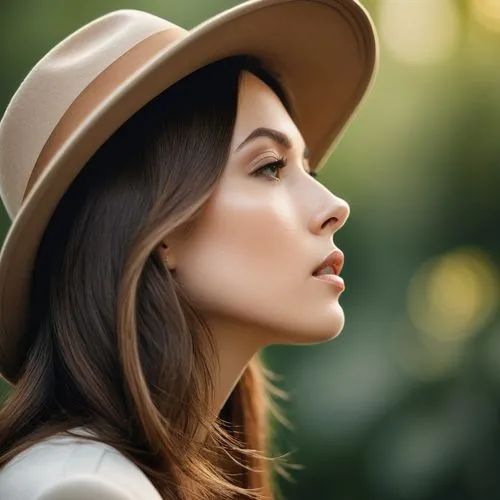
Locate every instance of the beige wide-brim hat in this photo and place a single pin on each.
(82, 91)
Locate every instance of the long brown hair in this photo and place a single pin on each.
(116, 346)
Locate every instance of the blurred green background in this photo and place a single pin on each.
(405, 404)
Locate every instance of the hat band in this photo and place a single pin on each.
(104, 85)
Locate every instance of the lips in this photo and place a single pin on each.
(332, 264)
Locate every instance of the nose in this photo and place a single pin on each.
(331, 215)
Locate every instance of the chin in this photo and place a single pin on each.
(326, 325)
(321, 329)
(328, 332)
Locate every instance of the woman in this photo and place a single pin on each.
(166, 227)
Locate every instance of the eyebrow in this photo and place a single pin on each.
(277, 136)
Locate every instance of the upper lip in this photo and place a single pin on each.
(334, 259)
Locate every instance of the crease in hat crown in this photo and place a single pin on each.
(58, 79)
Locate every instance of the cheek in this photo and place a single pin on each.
(249, 259)
(242, 254)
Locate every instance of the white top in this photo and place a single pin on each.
(68, 468)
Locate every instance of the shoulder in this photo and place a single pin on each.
(68, 468)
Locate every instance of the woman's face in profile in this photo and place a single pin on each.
(247, 262)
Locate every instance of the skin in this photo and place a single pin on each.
(247, 262)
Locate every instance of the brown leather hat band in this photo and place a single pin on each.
(97, 91)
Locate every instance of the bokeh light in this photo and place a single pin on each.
(487, 12)
(453, 296)
(419, 31)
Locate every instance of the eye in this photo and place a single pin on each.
(272, 167)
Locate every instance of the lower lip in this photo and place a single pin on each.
(332, 279)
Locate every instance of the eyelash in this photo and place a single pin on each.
(276, 165)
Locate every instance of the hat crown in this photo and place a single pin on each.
(53, 85)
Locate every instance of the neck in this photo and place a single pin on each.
(235, 347)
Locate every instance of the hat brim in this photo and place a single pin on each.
(325, 52)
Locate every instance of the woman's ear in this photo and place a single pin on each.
(167, 256)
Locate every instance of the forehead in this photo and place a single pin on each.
(259, 106)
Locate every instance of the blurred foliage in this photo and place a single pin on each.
(405, 404)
